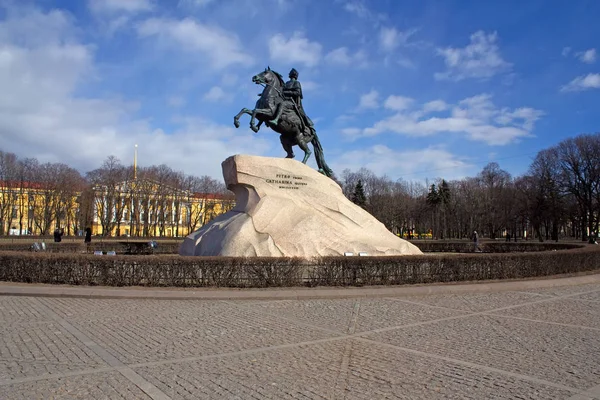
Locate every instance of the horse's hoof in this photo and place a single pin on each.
(236, 123)
(254, 128)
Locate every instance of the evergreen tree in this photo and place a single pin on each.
(358, 196)
(433, 197)
(433, 200)
(444, 200)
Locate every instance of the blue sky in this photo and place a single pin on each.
(413, 90)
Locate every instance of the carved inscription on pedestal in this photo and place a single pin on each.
(284, 181)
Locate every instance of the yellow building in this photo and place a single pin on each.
(29, 208)
(139, 208)
(150, 209)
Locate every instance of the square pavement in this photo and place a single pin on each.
(534, 343)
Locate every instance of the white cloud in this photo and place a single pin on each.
(295, 50)
(345, 118)
(218, 95)
(114, 15)
(351, 132)
(112, 6)
(435, 106)
(176, 101)
(566, 51)
(589, 81)
(588, 56)
(523, 116)
(116, 23)
(480, 59)
(406, 63)
(408, 164)
(397, 103)
(36, 29)
(478, 107)
(388, 38)
(369, 100)
(194, 3)
(221, 47)
(359, 8)
(342, 56)
(339, 56)
(229, 79)
(44, 115)
(476, 117)
(391, 38)
(214, 142)
(309, 86)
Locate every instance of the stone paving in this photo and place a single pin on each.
(513, 344)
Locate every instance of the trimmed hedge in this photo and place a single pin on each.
(491, 247)
(173, 270)
(70, 247)
(172, 247)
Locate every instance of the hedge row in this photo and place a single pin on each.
(171, 270)
(172, 247)
(70, 247)
(491, 247)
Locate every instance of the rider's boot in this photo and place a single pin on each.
(278, 112)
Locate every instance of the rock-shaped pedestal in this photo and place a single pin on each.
(286, 208)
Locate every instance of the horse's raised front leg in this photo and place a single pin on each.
(262, 111)
(236, 119)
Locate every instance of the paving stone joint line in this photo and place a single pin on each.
(155, 393)
(111, 360)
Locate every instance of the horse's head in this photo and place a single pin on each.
(268, 77)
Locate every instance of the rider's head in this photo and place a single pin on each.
(294, 73)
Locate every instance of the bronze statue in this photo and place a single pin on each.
(293, 91)
(280, 108)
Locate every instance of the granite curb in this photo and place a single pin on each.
(43, 290)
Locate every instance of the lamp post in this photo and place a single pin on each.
(131, 190)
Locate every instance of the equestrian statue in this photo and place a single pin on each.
(280, 108)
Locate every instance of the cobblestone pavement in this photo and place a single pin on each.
(533, 344)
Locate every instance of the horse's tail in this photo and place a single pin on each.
(320, 156)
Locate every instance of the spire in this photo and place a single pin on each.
(135, 162)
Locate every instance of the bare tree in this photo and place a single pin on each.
(108, 185)
(495, 182)
(544, 199)
(26, 179)
(580, 172)
(8, 190)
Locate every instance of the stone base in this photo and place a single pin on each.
(287, 209)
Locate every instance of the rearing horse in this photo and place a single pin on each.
(292, 129)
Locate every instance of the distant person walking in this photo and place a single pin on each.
(475, 238)
(88, 235)
(58, 235)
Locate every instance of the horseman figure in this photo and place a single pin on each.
(292, 91)
(280, 108)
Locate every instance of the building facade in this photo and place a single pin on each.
(138, 208)
(144, 208)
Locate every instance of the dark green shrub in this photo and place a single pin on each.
(174, 270)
